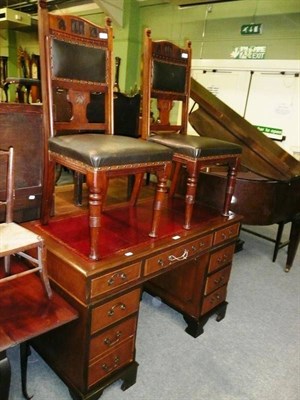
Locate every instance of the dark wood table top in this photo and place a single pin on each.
(25, 309)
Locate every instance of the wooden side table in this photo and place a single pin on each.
(26, 312)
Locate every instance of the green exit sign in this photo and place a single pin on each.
(251, 29)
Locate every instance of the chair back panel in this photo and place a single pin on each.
(168, 77)
(76, 64)
(165, 80)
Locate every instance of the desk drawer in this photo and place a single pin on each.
(115, 310)
(217, 280)
(220, 258)
(227, 233)
(112, 338)
(115, 279)
(176, 254)
(116, 359)
(214, 299)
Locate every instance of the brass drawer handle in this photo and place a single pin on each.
(113, 366)
(160, 262)
(217, 281)
(216, 297)
(224, 236)
(222, 259)
(184, 256)
(122, 276)
(111, 312)
(113, 341)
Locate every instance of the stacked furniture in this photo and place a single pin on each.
(101, 262)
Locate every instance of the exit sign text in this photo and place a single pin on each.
(251, 29)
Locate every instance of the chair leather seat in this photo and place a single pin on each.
(100, 150)
(195, 146)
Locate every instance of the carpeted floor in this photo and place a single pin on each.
(253, 354)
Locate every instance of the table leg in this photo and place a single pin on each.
(293, 242)
(5, 374)
(24, 354)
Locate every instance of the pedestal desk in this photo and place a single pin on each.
(189, 270)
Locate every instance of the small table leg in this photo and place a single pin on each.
(5, 375)
(293, 242)
(24, 354)
(278, 240)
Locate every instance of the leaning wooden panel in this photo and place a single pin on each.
(21, 124)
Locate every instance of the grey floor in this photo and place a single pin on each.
(253, 354)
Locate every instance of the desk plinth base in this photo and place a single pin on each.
(195, 326)
(127, 374)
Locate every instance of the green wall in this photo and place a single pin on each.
(213, 30)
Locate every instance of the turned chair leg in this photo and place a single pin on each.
(43, 268)
(231, 181)
(78, 182)
(97, 184)
(48, 192)
(161, 191)
(7, 265)
(190, 194)
(138, 181)
(175, 178)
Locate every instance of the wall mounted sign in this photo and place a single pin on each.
(251, 29)
(272, 133)
(249, 53)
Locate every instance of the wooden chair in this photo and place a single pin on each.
(76, 62)
(126, 123)
(166, 81)
(15, 239)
